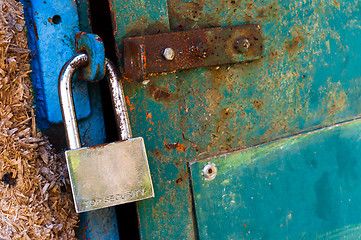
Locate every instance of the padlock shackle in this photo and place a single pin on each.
(67, 101)
(66, 98)
(118, 99)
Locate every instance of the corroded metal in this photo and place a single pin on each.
(308, 78)
(109, 174)
(93, 46)
(145, 55)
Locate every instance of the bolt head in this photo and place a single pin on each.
(209, 171)
(169, 54)
(242, 45)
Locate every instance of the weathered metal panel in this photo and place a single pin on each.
(137, 17)
(168, 214)
(154, 115)
(304, 187)
(308, 78)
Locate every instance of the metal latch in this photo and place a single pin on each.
(167, 52)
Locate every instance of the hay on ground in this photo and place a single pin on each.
(35, 200)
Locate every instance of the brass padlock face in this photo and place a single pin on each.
(109, 174)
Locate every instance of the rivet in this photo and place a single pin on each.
(169, 54)
(209, 171)
(242, 45)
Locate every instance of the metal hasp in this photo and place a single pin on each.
(168, 52)
(93, 46)
(109, 174)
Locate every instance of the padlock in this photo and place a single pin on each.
(108, 174)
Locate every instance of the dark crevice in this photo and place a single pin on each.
(102, 25)
(9, 179)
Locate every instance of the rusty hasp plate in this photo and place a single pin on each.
(167, 52)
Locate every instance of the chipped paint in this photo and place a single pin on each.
(308, 78)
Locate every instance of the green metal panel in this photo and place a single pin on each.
(168, 215)
(304, 187)
(308, 78)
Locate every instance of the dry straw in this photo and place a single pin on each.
(35, 202)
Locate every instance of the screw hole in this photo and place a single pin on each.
(210, 171)
(56, 19)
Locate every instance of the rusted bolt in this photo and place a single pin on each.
(242, 45)
(202, 50)
(169, 54)
(209, 171)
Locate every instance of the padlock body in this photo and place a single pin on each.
(109, 174)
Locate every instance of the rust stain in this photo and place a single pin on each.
(226, 112)
(158, 93)
(142, 26)
(257, 104)
(50, 20)
(298, 41)
(149, 118)
(113, 19)
(336, 103)
(177, 146)
(157, 153)
(131, 107)
(271, 10)
(179, 180)
(35, 30)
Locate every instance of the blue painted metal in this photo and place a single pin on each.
(93, 46)
(304, 187)
(54, 24)
(48, 57)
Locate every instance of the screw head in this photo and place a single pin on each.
(209, 171)
(242, 45)
(169, 54)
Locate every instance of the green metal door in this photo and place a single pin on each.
(245, 118)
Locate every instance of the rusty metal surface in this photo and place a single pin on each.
(167, 215)
(190, 49)
(308, 78)
(93, 46)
